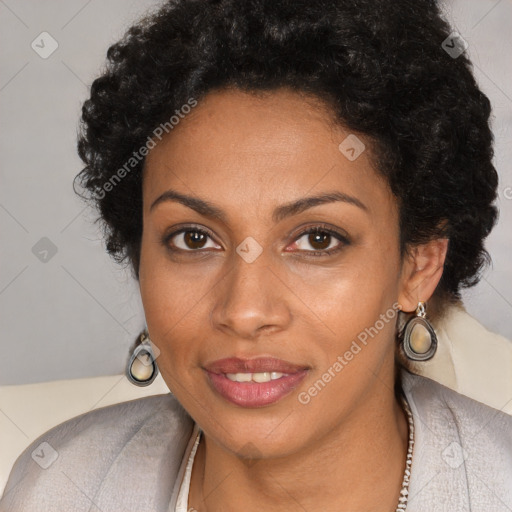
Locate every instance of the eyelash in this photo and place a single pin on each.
(321, 228)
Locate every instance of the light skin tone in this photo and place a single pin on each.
(247, 156)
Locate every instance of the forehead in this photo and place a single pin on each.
(250, 152)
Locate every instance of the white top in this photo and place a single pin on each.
(188, 459)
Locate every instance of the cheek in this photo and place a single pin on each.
(355, 302)
(165, 292)
(164, 298)
(356, 311)
(358, 289)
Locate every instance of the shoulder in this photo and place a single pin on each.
(435, 401)
(462, 452)
(107, 454)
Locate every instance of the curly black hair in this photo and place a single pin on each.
(381, 66)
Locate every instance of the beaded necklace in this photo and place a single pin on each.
(404, 493)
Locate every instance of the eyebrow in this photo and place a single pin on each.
(282, 212)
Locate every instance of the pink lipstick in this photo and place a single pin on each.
(254, 382)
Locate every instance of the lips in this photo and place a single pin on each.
(286, 376)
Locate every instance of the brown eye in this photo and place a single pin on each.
(320, 241)
(188, 240)
(194, 239)
(323, 241)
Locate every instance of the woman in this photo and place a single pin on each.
(290, 183)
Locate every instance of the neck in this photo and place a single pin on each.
(358, 466)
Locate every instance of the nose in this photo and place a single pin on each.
(250, 300)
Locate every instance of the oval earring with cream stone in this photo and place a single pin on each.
(142, 368)
(419, 340)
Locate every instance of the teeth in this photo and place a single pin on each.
(261, 377)
(254, 377)
(240, 377)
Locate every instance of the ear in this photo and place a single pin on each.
(421, 272)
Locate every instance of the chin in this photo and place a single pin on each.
(266, 432)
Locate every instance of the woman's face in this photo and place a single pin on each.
(251, 286)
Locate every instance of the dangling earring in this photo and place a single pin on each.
(142, 369)
(418, 338)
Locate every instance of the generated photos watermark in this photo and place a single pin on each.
(343, 360)
(138, 156)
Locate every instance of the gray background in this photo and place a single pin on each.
(75, 313)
